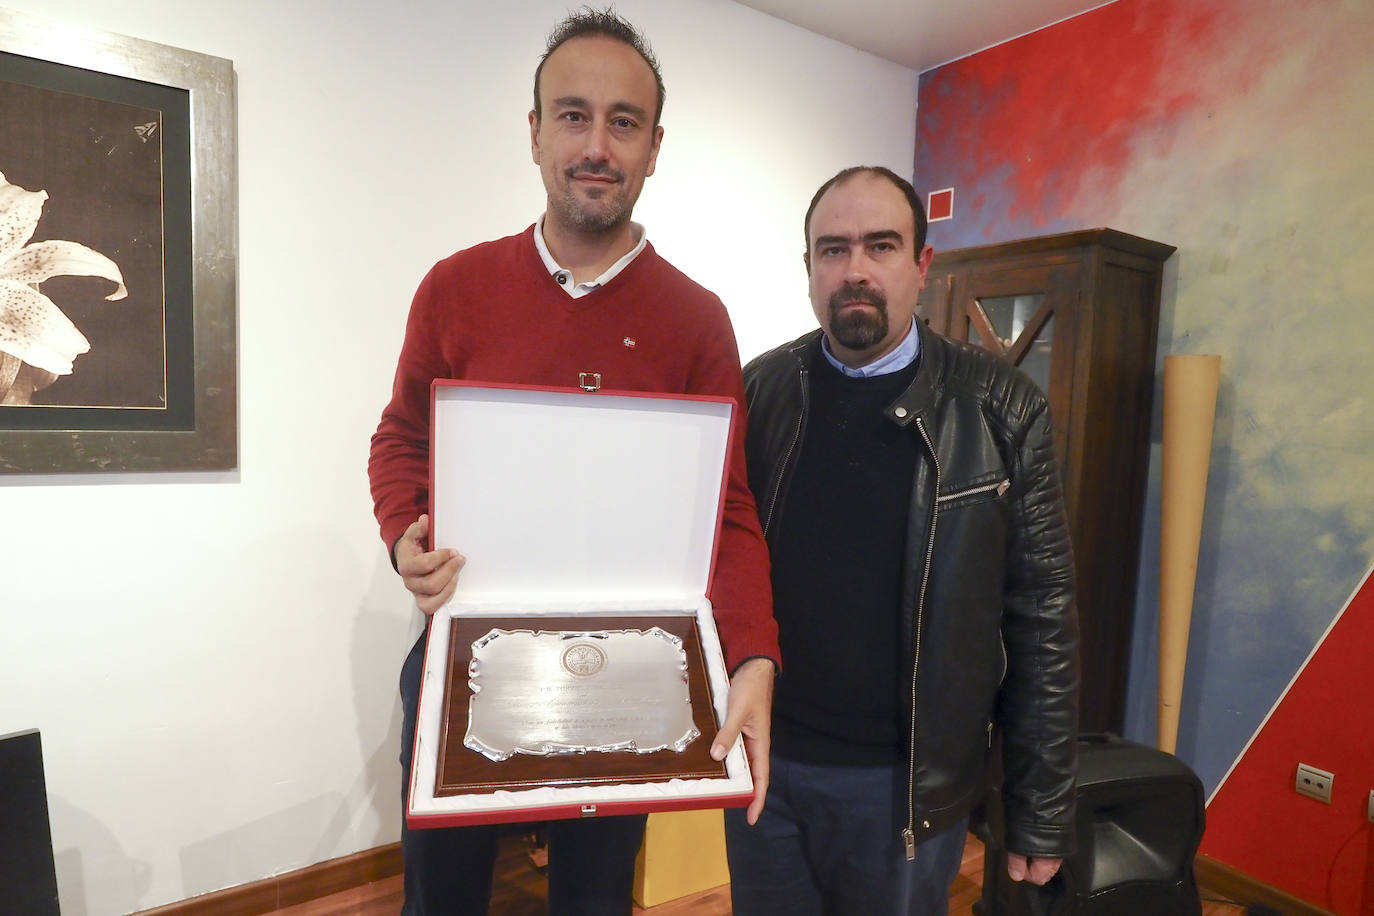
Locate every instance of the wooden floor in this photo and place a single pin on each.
(520, 891)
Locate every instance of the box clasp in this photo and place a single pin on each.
(589, 810)
(590, 381)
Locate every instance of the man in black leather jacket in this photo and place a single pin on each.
(923, 587)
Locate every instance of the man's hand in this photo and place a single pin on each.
(1035, 870)
(749, 711)
(431, 575)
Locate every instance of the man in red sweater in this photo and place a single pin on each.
(580, 291)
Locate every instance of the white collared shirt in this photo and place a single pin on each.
(564, 277)
(901, 356)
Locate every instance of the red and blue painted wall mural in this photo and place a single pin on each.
(1241, 131)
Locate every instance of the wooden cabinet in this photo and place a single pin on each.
(1079, 313)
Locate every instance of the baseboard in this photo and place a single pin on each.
(335, 875)
(1218, 878)
(291, 888)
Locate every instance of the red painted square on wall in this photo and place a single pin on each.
(940, 205)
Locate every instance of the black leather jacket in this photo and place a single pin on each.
(987, 591)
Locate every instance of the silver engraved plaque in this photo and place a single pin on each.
(576, 692)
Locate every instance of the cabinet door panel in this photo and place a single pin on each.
(936, 302)
(1026, 316)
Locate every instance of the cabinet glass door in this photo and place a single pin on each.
(1025, 315)
(1020, 329)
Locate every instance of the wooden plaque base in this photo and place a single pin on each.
(462, 771)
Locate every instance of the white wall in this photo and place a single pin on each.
(212, 658)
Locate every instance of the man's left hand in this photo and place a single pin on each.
(1036, 870)
(748, 711)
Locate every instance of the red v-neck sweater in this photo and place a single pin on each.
(492, 313)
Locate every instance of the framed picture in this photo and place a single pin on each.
(118, 253)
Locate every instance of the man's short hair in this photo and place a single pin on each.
(607, 22)
(918, 211)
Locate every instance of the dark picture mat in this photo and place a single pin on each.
(463, 771)
(123, 192)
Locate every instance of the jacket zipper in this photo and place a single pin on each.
(787, 456)
(1002, 486)
(909, 834)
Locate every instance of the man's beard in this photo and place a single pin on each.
(612, 210)
(858, 329)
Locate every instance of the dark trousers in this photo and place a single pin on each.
(829, 842)
(448, 871)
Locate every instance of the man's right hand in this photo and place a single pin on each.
(430, 575)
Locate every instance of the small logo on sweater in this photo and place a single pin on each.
(629, 343)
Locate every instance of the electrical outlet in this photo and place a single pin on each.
(1314, 783)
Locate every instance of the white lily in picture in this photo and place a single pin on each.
(33, 329)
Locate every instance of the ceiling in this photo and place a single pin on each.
(922, 34)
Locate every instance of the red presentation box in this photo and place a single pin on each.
(576, 510)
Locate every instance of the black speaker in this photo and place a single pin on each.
(28, 878)
(1140, 820)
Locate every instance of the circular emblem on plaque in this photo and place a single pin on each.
(582, 659)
